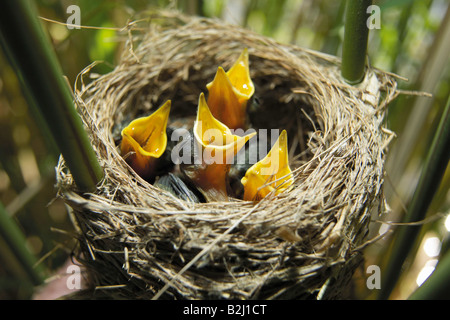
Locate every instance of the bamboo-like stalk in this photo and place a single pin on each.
(432, 174)
(31, 55)
(419, 107)
(437, 286)
(356, 35)
(15, 239)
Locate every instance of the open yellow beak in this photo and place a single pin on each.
(146, 139)
(269, 174)
(229, 93)
(218, 147)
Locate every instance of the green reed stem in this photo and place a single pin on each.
(29, 50)
(15, 240)
(356, 35)
(432, 174)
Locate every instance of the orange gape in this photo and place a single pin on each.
(229, 93)
(144, 140)
(271, 174)
(217, 146)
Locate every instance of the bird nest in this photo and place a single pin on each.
(138, 241)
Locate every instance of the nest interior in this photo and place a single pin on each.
(140, 242)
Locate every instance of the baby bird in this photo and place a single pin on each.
(271, 174)
(215, 147)
(229, 93)
(144, 141)
(176, 186)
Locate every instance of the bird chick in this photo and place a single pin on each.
(271, 174)
(216, 147)
(144, 141)
(176, 186)
(230, 91)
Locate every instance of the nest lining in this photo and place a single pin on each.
(145, 243)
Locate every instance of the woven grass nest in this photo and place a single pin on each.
(137, 241)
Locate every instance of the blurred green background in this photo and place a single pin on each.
(413, 41)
